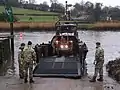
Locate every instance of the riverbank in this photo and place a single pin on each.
(50, 26)
(113, 69)
(100, 26)
(23, 26)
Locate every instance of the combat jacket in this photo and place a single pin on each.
(99, 55)
(29, 54)
(20, 57)
(54, 43)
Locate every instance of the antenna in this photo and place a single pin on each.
(82, 5)
(66, 8)
(67, 12)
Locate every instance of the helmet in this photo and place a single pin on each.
(97, 43)
(29, 43)
(22, 44)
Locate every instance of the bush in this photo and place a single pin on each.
(2, 17)
(16, 19)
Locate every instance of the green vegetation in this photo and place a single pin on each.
(2, 17)
(25, 17)
(1, 9)
(25, 11)
(38, 18)
(86, 26)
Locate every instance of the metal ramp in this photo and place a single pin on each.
(58, 66)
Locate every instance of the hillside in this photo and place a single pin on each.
(25, 17)
(26, 11)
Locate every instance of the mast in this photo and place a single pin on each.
(82, 2)
(67, 12)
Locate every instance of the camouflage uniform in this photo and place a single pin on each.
(21, 66)
(81, 51)
(29, 56)
(38, 52)
(55, 46)
(44, 50)
(20, 61)
(99, 61)
(85, 50)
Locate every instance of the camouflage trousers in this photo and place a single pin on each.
(28, 66)
(21, 70)
(56, 51)
(98, 69)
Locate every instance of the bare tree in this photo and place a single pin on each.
(53, 1)
(45, 3)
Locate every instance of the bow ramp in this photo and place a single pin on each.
(58, 66)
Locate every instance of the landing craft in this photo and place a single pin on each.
(63, 55)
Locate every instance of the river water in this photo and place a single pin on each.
(109, 40)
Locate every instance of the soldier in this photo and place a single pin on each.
(99, 61)
(81, 50)
(20, 61)
(85, 51)
(38, 52)
(82, 54)
(44, 50)
(55, 45)
(29, 56)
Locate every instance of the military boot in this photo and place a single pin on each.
(31, 81)
(100, 79)
(93, 79)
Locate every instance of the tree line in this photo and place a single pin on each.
(54, 7)
(94, 11)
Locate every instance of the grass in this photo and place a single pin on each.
(25, 11)
(27, 25)
(25, 18)
(37, 18)
(88, 26)
(101, 25)
(28, 11)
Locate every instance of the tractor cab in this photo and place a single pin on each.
(67, 28)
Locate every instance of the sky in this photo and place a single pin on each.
(105, 2)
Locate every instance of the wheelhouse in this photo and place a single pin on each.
(66, 28)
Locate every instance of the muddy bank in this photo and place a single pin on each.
(101, 26)
(50, 26)
(113, 69)
(18, 26)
